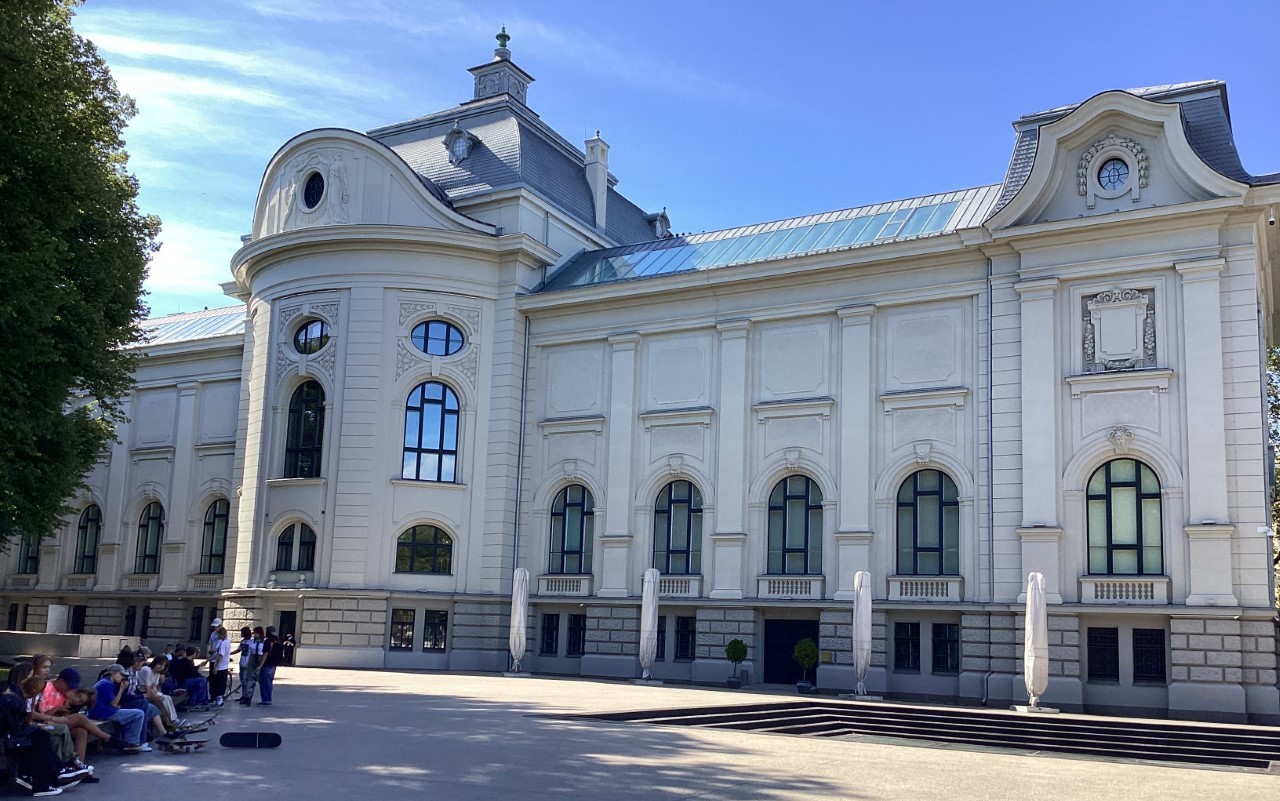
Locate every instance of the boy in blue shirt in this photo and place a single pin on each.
(110, 691)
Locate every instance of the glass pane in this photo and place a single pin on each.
(905, 492)
(812, 234)
(573, 529)
(1098, 482)
(451, 432)
(429, 467)
(836, 232)
(894, 225)
(411, 429)
(796, 485)
(951, 562)
(795, 563)
(928, 480)
(1124, 515)
(1098, 560)
(431, 427)
(854, 233)
(1150, 484)
(815, 494)
(1098, 524)
(918, 219)
(949, 492)
(795, 523)
(873, 228)
(1124, 562)
(1151, 522)
(775, 497)
(1151, 560)
(951, 527)
(775, 560)
(574, 493)
(696, 534)
(1123, 470)
(680, 527)
(572, 563)
(927, 506)
(448, 468)
(906, 517)
(660, 530)
(679, 563)
(776, 528)
(928, 562)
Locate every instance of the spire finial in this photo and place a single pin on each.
(503, 37)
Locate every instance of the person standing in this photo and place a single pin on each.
(219, 665)
(288, 644)
(272, 656)
(250, 661)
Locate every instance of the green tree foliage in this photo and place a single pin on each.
(73, 253)
(1273, 427)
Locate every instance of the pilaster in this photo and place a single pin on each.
(856, 392)
(1040, 379)
(729, 540)
(1202, 349)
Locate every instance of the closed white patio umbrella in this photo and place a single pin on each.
(861, 628)
(1035, 654)
(519, 616)
(649, 622)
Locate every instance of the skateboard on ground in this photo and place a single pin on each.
(250, 739)
(181, 745)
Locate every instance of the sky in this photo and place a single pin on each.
(725, 113)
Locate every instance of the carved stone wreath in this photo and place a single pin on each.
(1083, 172)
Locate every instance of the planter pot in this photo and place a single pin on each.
(805, 687)
(734, 682)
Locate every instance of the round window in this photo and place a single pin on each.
(311, 336)
(1113, 174)
(437, 338)
(314, 190)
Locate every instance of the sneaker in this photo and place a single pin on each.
(218, 703)
(144, 748)
(71, 773)
(50, 791)
(79, 764)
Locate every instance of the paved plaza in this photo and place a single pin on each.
(386, 735)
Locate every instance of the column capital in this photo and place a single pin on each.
(1199, 269)
(856, 315)
(1037, 289)
(624, 340)
(733, 329)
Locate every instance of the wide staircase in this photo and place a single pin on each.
(1256, 747)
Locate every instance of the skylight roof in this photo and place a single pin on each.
(836, 230)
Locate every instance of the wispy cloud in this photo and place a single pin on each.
(192, 261)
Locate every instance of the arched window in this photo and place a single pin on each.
(29, 556)
(795, 527)
(305, 537)
(306, 432)
(1124, 520)
(213, 551)
(572, 529)
(150, 532)
(424, 549)
(928, 525)
(677, 529)
(87, 536)
(431, 433)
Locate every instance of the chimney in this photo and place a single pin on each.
(597, 168)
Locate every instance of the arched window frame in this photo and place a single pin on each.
(795, 545)
(29, 556)
(88, 535)
(1106, 495)
(304, 443)
(424, 549)
(677, 529)
(213, 546)
(432, 416)
(304, 537)
(928, 525)
(150, 535)
(572, 531)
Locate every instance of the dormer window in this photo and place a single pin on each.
(458, 142)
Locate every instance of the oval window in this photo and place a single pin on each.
(311, 336)
(314, 190)
(437, 338)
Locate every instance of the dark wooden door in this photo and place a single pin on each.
(780, 638)
(288, 626)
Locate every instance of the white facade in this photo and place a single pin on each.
(1065, 326)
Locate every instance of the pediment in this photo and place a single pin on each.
(338, 177)
(1114, 153)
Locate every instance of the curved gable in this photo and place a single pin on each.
(1146, 138)
(364, 183)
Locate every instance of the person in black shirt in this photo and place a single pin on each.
(187, 677)
(272, 656)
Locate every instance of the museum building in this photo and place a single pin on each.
(461, 350)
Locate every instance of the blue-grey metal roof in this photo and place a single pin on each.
(191, 326)
(1206, 118)
(864, 226)
(513, 148)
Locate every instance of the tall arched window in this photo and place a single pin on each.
(213, 550)
(29, 556)
(424, 549)
(928, 525)
(87, 535)
(1124, 520)
(572, 529)
(150, 532)
(795, 527)
(305, 538)
(431, 433)
(677, 529)
(306, 432)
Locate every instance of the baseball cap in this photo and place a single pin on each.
(217, 621)
(116, 669)
(71, 677)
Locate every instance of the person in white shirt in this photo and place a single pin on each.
(219, 665)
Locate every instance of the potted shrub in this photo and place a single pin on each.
(806, 656)
(735, 652)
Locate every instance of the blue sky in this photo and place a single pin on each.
(726, 113)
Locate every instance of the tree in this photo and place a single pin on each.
(73, 254)
(1273, 428)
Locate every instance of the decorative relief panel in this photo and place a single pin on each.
(573, 381)
(406, 358)
(924, 349)
(326, 359)
(1119, 330)
(1125, 149)
(794, 361)
(678, 373)
(1138, 408)
(686, 439)
(333, 204)
(469, 315)
(328, 311)
(288, 314)
(411, 308)
(470, 363)
(284, 362)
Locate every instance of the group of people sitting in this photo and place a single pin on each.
(47, 721)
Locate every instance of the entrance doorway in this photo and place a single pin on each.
(780, 638)
(288, 628)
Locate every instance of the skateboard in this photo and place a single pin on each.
(183, 746)
(250, 739)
